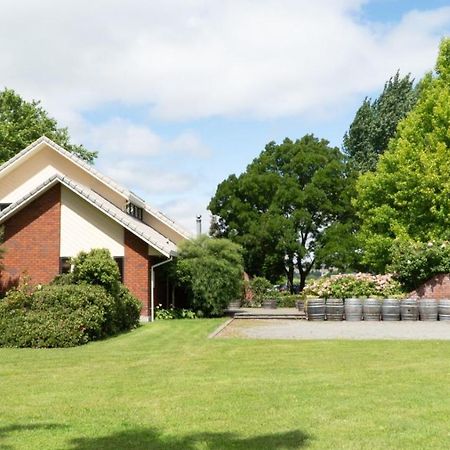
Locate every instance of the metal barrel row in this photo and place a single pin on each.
(372, 309)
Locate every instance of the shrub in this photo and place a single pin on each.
(288, 300)
(96, 267)
(354, 285)
(63, 279)
(415, 262)
(173, 313)
(260, 288)
(76, 308)
(129, 309)
(212, 270)
(55, 316)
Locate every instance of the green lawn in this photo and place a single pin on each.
(166, 386)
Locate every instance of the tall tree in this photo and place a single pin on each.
(23, 122)
(285, 206)
(375, 123)
(408, 196)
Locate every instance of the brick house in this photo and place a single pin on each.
(54, 205)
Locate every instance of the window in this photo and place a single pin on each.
(65, 265)
(134, 210)
(119, 262)
(4, 206)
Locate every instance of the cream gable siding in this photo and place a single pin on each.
(84, 227)
(43, 161)
(40, 166)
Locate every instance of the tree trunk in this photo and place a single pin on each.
(304, 272)
(290, 277)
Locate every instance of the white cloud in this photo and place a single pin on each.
(147, 178)
(120, 136)
(191, 59)
(188, 143)
(197, 58)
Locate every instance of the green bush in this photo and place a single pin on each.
(55, 316)
(173, 313)
(96, 267)
(261, 288)
(75, 308)
(415, 262)
(63, 279)
(212, 271)
(289, 300)
(129, 309)
(354, 285)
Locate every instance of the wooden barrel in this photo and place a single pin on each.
(353, 309)
(444, 309)
(334, 309)
(390, 309)
(300, 305)
(409, 309)
(428, 309)
(315, 309)
(371, 309)
(269, 303)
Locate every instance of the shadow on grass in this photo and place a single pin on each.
(151, 439)
(5, 431)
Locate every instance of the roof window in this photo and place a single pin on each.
(134, 211)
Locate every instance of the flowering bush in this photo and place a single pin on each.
(354, 285)
(415, 262)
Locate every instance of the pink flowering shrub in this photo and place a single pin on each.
(354, 285)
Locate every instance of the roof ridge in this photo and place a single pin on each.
(107, 180)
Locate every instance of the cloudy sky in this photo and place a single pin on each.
(178, 94)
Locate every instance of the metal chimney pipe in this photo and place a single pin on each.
(199, 225)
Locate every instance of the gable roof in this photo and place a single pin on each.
(126, 193)
(135, 226)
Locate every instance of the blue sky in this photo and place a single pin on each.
(178, 94)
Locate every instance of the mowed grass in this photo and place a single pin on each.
(166, 386)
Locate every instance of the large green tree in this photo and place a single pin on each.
(408, 196)
(375, 122)
(23, 122)
(289, 209)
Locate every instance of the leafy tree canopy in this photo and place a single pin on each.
(23, 122)
(289, 209)
(375, 123)
(212, 270)
(408, 196)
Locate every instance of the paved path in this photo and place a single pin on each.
(302, 329)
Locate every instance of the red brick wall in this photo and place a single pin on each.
(437, 287)
(32, 240)
(136, 270)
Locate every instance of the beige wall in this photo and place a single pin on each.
(84, 227)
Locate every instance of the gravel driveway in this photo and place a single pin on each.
(302, 329)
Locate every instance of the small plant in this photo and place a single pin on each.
(173, 313)
(261, 289)
(289, 300)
